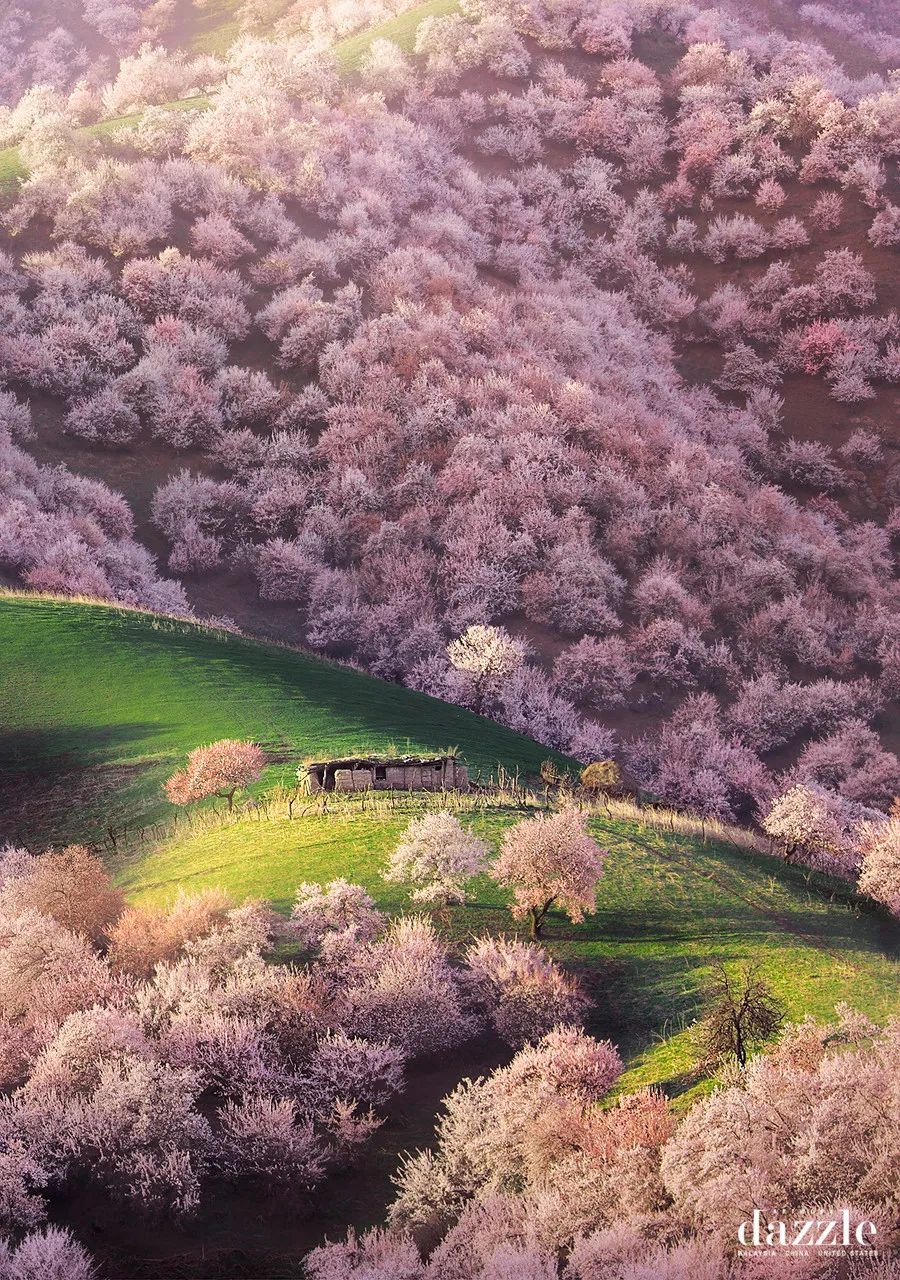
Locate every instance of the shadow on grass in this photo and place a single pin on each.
(70, 746)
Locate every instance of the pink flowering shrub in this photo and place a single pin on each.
(336, 908)
(49, 1254)
(522, 991)
(402, 989)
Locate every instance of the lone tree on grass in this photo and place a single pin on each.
(486, 655)
(222, 769)
(743, 1012)
(550, 861)
(436, 857)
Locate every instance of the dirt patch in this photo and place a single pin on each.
(247, 1233)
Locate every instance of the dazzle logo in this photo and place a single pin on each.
(809, 1233)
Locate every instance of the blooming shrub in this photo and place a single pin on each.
(521, 990)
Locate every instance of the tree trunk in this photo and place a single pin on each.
(537, 916)
(478, 691)
(740, 1051)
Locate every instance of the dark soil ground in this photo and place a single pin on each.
(246, 1232)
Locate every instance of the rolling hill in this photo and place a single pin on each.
(100, 704)
(670, 907)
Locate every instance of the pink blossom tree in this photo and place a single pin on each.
(512, 1122)
(143, 937)
(71, 886)
(46, 972)
(827, 211)
(812, 822)
(884, 232)
(221, 769)
(376, 1255)
(550, 861)
(770, 195)
(829, 1159)
(140, 1134)
(265, 1139)
(401, 988)
(598, 671)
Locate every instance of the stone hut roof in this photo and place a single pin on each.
(362, 762)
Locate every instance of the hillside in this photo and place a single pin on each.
(510, 378)
(599, 347)
(100, 704)
(213, 30)
(669, 907)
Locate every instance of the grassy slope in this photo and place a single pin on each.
(668, 909)
(217, 29)
(401, 30)
(97, 704)
(215, 26)
(111, 700)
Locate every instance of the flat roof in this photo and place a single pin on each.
(355, 761)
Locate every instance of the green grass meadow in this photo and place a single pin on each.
(216, 26)
(669, 908)
(401, 30)
(99, 705)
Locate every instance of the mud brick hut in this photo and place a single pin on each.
(371, 773)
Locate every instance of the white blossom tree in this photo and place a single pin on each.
(487, 656)
(436, 857)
